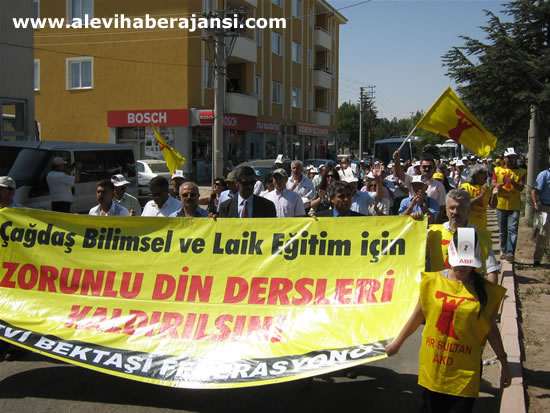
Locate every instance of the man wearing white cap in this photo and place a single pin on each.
(60, 183)
(176, 180)
(509, 181)
(7, 192)
(420, 204)
(124, 199)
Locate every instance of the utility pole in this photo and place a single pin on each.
(532, 167)
(361, 98)
(216, 38)
(370, 101)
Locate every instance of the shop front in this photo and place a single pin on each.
(313, 141)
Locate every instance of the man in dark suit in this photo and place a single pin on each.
(340, 195)
(246, 204)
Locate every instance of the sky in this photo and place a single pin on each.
(396, 46)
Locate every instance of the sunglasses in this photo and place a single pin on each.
(245, 182)
(188, 195)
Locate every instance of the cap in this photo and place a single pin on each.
(119, 180)
(510, 152)
(7, 182)
(309, 167)
(178, 173)
(418, 179)
(57, 160)
(467, 251)
(417, 163)
(257, 172)
(280, 171)
(438, 175)
(314, 170)
(279, 158)
(231, 177)
(459, 163)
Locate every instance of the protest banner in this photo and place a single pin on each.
(198, 303)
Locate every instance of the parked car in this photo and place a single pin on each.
(28, 162)
(147, 169)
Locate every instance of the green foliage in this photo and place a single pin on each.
(503, 76)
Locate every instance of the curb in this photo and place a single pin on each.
(513, 397)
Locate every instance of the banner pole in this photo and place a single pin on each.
(406, 139)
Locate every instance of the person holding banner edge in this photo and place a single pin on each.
(459, 308)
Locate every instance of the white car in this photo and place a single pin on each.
(147, 169)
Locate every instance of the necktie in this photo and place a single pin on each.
(244, 211)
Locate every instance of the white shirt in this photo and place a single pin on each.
(435, 189)
(287, 203)
(304, 188)
(258, 187)
(361, 202)
(151, 209)
(128, 201)
(60, 185)
(116, 210)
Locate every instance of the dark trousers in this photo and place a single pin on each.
(61, 206)
(434, 402)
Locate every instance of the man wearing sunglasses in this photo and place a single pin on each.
(246, 204)
(162, 204)
(189, 197)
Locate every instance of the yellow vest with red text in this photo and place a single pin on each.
(478, 210)
(509, 198)
(454, 334)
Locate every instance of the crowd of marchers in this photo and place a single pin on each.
(461, 268)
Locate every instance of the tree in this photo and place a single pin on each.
(501, 78)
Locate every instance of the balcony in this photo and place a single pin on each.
(244, 51)
(322, 38)
(241, 104)
(321, 118)
(322, 78)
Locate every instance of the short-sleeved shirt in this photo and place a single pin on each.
(454, 334)
(430, 203)
(128, 201)
(60, 185)
(304, 188)
(543, 186)
(478, 211)
(151, 209)
(435, 189)
(199, 213)
(287, 203)
(115, 211)
(509, 198)
(361, 202)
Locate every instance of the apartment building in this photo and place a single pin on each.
(16, 73)
(107, 85)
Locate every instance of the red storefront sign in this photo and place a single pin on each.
(311, 130)
(160, 117)
(230, 121)
(270, 127)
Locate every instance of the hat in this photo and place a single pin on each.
(438, 175)
(231, 177)
(7, 182)
(418, 179)
(57, 160)
(510, 152)
(178, 173)
(309, 167)
(467, 251)
(417, 163)
(257, 172)
(370, 175)
(314, 170)
(119, 180)
(279, 158)
(459, 163)
(280, 171)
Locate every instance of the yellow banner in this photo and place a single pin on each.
(449, 117)
(198, 303)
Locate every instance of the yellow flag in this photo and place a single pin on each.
(449, 117)
(172, 157)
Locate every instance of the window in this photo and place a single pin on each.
(276, 46)
(36, 74)
(13, 116)
(276, 92)
(296, 52)
(208, 6)
(80, 72)
(296, 97)
(258, 87)
(258, 36)
(77, 9)
(297, 8)
(310, 17)
(208, 81)
(310, 58)
(309, 100)
(277, 2)
(36, 8)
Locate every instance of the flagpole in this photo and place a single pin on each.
(406, 139)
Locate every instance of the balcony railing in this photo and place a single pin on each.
(322, 78)
(241, 104)
(322, 38)
(244, 51)
(321, 117)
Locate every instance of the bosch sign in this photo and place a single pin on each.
(161, 117)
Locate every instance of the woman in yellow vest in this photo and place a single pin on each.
(460, 309)
(481, 195)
